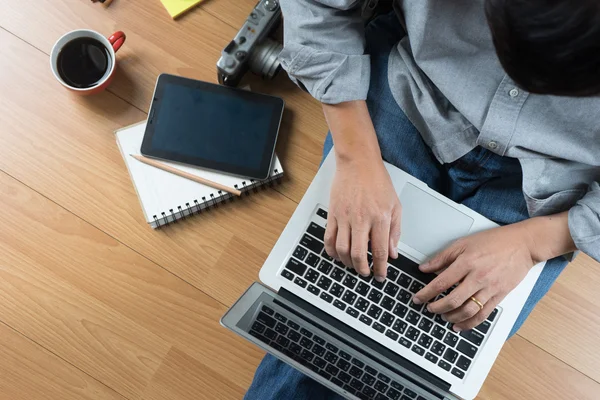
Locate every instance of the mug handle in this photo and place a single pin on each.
(117, 39)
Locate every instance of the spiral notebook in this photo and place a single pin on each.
(165, 197)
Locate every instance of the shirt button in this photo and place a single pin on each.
(514, 92)
(493, 145)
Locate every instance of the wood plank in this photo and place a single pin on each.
(191, 47)
(28, 371)
(567, 320)
(99, 305)
(525, 372)
(65, 149)
(181, 377)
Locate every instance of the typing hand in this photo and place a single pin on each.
(363, 207)
(486, 266)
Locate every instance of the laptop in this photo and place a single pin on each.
(361, 338)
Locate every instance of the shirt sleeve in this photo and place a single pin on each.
(324, 48)
(584, 222)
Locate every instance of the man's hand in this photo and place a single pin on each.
(490, 264)
(363, 205)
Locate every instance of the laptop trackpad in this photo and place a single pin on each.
(429, 225)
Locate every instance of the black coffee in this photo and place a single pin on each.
(83, 62)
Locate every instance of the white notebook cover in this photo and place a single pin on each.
(166, 197)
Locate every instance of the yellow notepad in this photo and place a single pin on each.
(178, 7)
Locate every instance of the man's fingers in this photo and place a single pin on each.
(444, 258)
(457, 297)
(380, 239)
(481, 316)
(440, 284)
(395, 227)
(358, 252)
(342, 244)
(470, 308)
(331, 236)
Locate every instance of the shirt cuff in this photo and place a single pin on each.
(584, 222)
(329, 77)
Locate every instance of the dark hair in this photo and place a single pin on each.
(548, 46)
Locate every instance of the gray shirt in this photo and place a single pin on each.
(446, 77)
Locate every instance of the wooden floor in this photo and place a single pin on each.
(96, 305)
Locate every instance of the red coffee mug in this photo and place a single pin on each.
(112, 44)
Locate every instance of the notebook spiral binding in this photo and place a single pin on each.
(198, 206)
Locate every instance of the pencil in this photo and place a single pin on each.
(183, 174)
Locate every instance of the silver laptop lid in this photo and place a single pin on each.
(327, 350)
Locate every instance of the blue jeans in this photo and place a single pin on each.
(483, 181)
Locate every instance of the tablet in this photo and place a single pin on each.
(211, 126)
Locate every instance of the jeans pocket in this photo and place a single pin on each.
(558, 202)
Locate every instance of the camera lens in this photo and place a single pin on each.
(271, 5)
(264, 61)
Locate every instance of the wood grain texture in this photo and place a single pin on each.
(28, 371)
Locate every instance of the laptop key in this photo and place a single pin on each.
(391, 334)
(349, 297)
(387, 319)
(312, 244)
(295, 349)
(287, 274)
(296, 267)
(319, 340)
(404, 296)
(393, 394)
(410, 393)
(324, 283)
(444, 365)
(405, 397)
(352, 312)
(319, 362)
(258, 327)
(355, 372)
(374, 311)
(345, 355)
(312, 276)
(281, 328)
(425, 325)
(313, 289)
(300, 253)
(413, 317)
(463, 363)
(450, 356)
(330, 357)
(369, 392)
(293, 325)
(358, 363)
(327, 297)
(306, 343)
(344, 377)
(339, 304)
(388, 303)
(368, 379)
(348, 389)
(427, 313)
(282, 340)
(266, 320)
(418, 350)
(300, 282)
(270, 334)
(438, 318)
(343, 365)
(356, 384)
(473, 336)
(400, 326)
(493, 315)
(404, 280)
(438, 348)
(467, 349)
(391, 288)
(331, 347)
(326, 256)
(325, 267)
(431, 357)
(268, 310)
(451, 339)
(484, 327)
(312, 260)
(306, 332)
(307, 355)
(362, 304)
(318, 350)
(438, 332)
(362, 288)
(375, 295)
(400, 310)
(416, 307)
(377, 284)
(412, 333)
(365, 320)
(337, 274)
(425, 340)
(337, 382)
(458, 373)
(378, 327)
(416, 287)
(350, 281)
(392, 273)
(381, 396)
(322, 213)
(337, 290)
(294, 336)
(404, 342)
(280, 318)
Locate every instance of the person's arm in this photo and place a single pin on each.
(490, 264)
(324, 52)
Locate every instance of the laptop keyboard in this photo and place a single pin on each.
(355, 375)
(385, 308)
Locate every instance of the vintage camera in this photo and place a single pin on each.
(252, 48)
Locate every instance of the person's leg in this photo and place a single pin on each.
(492, 186)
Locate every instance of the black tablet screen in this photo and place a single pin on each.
(212, 126)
